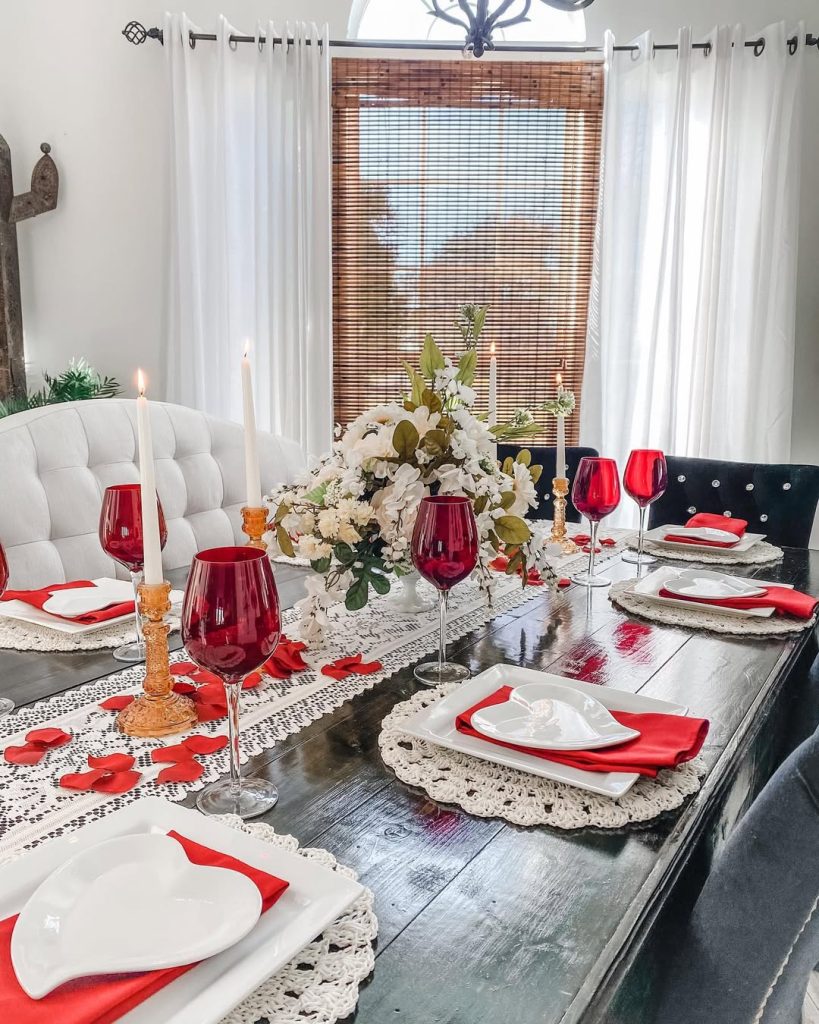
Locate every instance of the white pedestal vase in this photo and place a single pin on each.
(404, 598)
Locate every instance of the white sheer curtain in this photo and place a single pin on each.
(250, 226)
(691, 331)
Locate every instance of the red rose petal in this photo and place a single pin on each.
(183, 687)
(564, 582)
(116, 782)
(205, 744)
(27, 754)
(181, 771)
(184, 668)
(82, 780)
(111, 762)
(366, 668)
(211, 693)
(117, 703)
(275, 669)
(171, 754)
(209, 678)
(49, 737)
(250, 682)
(210, 712)
(608, 541)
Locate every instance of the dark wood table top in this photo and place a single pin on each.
(481, 921)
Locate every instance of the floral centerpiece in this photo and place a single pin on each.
(352, 517)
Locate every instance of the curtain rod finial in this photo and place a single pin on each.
(136, 33)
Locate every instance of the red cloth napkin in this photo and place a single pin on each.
(103, 999)
(37, 598)
(664, 741)
(784, 600)
(708, 520)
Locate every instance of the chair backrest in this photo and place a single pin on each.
(751, 943)
(546, 456)
(777, 500)
(55, 463)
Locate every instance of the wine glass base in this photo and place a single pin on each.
(131, 654)
(431, 673)
(583, 579)
(255, 797)
(6, 705)
(636, 559)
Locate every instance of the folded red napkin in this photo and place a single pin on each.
(664, 741)
(708, 520)
(103, 999)
(37, 598)
(784, 600)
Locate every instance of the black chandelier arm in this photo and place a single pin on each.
(438, 12)
(515, 20)
(568, 5)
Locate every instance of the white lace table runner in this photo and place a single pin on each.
(32, 806)
(761, 553)
(320, 984)
(699, 617)
(493, 791)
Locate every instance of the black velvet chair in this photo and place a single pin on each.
(546, 456)
(752, 941)
(777, 500)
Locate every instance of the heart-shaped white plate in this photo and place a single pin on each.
(708, 585)
(89, 599)
(704, 533)
(551, 717)
(134, 903)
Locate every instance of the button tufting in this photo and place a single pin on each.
(786, 487)
(749, 487)
(681, 478)
(715, 483)
(727, 515)
(691, 509)
(763, 518)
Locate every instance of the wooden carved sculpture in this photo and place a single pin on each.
(41, 197)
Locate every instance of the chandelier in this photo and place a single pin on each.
(475, 17)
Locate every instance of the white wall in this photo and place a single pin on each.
(93, 272)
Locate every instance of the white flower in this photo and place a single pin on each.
(312, 548)
(523, 487)
(453, 479)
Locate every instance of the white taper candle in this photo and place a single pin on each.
(152, 549)
(560, 455)
(253, 479)
(492, 418)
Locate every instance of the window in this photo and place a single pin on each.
(412, 19)
(463, 182)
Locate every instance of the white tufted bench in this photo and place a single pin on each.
(56, 462)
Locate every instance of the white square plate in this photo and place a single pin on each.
(22, 612)
(651, 586)
(657, 536)
(315, 897)
(436, 724)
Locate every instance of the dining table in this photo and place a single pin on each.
(482, 921)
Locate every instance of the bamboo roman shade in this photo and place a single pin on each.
(463, 182)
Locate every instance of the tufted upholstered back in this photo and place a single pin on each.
(56, 462)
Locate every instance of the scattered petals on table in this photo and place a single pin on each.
(117, 703)
(285, 660)
(181, 771)
(501, 563)
(38, 743)
(180, 686)
(564, 581)
(111, 773)
(351, 665)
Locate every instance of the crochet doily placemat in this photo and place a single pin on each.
(26, 636)
(493, 791)
(760, 554)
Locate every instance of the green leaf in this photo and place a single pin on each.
(480, 504)
(282, 511)
(431, 400)
(431, 358)
(507, 465)
(284, 541)
(405, 439)
(417, 381)
(379, 583)
(435, 442)
(512, 530)
(357, 595)
(344, 553)
(467, 366)
(493, 540)
(316, 496)
(524, 456)
(535, 472)
(507, 499)
(321, 565)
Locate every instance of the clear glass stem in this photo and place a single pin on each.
(232, 689)
(641, 534)
(136, 579)
(442, 602)
(593, 527)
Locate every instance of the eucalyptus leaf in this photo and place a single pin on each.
(467, 366)
(536, 472)
(512, 530)
(431, 358)
(524, 456)
(284, 541)
(405, 439)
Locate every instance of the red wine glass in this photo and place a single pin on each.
(6, 704)
(645, 479)
(120, 533)
(230, 626)
(444, 551)
(596, 494)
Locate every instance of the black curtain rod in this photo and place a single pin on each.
(136, 33)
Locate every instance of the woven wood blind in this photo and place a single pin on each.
(463, 182)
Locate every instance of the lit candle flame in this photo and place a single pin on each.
(141, 383)
(247, 348)
(492, 349)
(560, 380)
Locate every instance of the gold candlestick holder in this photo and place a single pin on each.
(560, 488)
(158, 711)
(254, 524)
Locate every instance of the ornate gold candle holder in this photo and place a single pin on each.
(158, 711)
(560, 488)
(254, 524)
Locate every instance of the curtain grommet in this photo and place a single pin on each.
(759, 47)
(191, 39)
